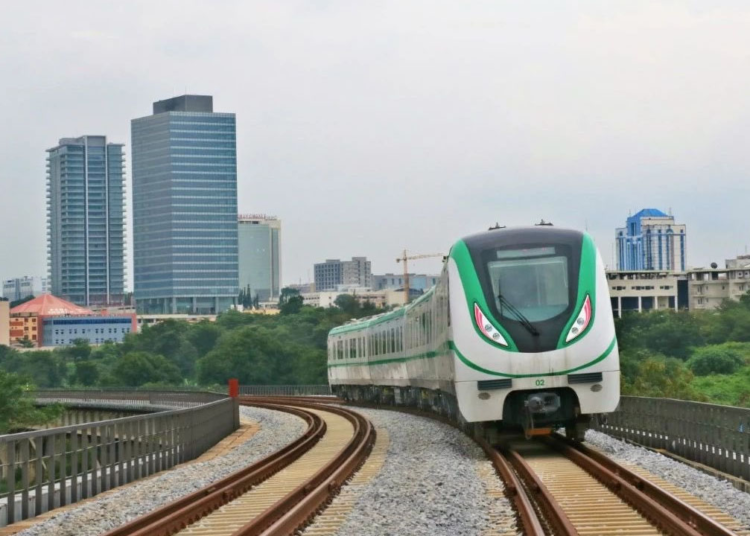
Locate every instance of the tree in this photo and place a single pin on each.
(286, 294)
(716, 359)
(292, 306)
(17, 409)
(203, 336)
(663, 377)
(87, 373)
(347, 303)
(45, 369)
(79, 350)
(252, 354)
(138, 368)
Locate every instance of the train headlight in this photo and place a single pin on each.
(486, 327)
(581, 322)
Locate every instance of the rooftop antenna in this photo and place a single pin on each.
(543, 224)
(496, 227)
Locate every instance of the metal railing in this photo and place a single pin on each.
(286, 390)
(716, 436)
(131, 397)
(45, 469)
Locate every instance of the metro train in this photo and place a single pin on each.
(518, 332)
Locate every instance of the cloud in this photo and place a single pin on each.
(368, 127)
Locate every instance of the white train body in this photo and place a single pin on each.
(519, 329)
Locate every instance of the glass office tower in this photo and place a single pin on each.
(185, 208)
(260, 256)
(85, 220)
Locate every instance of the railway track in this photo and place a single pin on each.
(557, 487)
(564, 488)
(275, 495)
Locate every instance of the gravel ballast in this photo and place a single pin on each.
(430, 484)
(718, 493)
(277, 429)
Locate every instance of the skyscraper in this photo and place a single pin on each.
(651, 240)
(85, 219)
(185, 208)
(260, 255)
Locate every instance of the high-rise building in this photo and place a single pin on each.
(260, 255)
(85, 220)
(185, 208)
(23, 287)
(332, 273)
(651, 240)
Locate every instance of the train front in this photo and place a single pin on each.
(533, 332)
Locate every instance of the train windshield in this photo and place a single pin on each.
(533, 281)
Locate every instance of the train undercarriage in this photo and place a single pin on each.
(532, 413)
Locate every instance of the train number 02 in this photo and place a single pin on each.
(540, 383)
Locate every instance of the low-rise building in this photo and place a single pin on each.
(334, 272)
(4, 322)
(709, 287)
(646, 290)
(420, 282)
(48, 321)
(379, 298)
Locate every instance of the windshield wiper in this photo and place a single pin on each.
(525, 322)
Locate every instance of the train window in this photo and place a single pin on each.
(340, 349)
(352, 348)
(537, 285)
(393, 340)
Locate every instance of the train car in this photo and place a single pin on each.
(518, 332)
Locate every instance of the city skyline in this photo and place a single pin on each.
(510, 144)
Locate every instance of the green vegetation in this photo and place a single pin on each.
(702, 355)
(689, 355)
(267, 349)
(17, 410)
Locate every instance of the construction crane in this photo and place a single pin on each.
(405, 258)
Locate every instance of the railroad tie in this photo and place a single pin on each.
(331, 520)
(232, 516)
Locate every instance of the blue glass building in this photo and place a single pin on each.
(185, 208)
(260, 256)
(85, 221)
(651, 240)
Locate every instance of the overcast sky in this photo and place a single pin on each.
(373, 126)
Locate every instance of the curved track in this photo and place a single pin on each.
(275, 495)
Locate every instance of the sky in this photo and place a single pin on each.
(370, 127)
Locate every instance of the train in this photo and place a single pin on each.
(518, 333)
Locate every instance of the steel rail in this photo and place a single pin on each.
(281, 399)
(555, 516)
(686, 513)
(514, 490)
(663, 518)
(178, 514)
(298, 507)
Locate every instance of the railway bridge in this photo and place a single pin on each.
(294, 459)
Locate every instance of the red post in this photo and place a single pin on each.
(234, 388)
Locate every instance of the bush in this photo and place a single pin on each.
(716, 359)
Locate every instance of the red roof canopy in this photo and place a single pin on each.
(49, 305)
